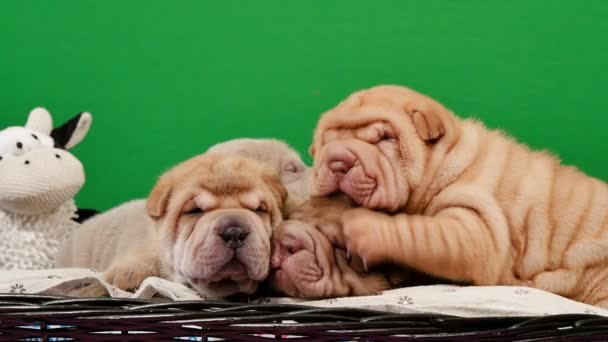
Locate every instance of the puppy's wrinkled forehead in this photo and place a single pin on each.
(371, 132)
(229, 185)
(223, 177)
(236, 194)
(218, 176)
(383, 104)
(228, 181)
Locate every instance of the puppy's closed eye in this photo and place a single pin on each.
(386, 135)
(262, 208)
(191, 208)
(194, 211)
(292, 167)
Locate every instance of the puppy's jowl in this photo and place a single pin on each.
(469, 204)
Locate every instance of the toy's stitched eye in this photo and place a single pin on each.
(262, 208)
(34, 136)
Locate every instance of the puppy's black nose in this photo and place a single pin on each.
(234, 236)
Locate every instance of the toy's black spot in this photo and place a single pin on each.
(19, 144)
(35, 136)
(27, 162)
(57, 156)
(0, 157)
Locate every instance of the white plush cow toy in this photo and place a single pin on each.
(38, 181)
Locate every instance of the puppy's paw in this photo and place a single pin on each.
(93, 290)
(375, 284)
(364, 233)
(128, 277)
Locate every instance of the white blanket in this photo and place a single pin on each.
(467, 301)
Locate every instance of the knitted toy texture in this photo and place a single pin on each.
(38, 181)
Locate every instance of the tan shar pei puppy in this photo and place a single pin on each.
(460, 201)
(214, 216)
(307, 262)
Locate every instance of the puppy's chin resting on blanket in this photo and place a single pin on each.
(212, 227)
(309, 260)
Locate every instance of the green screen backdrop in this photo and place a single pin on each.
(166, 79)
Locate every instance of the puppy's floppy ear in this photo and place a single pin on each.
(278, 191)
(158, 200)
(429, 125)
(290, 205)
(311, 150)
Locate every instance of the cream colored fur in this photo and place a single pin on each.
(104, 237)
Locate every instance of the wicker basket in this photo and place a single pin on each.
(51, 318)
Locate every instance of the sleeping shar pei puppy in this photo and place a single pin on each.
(214, 217)
(307, 261)
(461, 201)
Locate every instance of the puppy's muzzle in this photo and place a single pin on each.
(233, 230)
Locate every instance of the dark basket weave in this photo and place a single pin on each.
(51, 318)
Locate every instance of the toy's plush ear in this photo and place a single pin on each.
(72, 132)
(40, 120)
